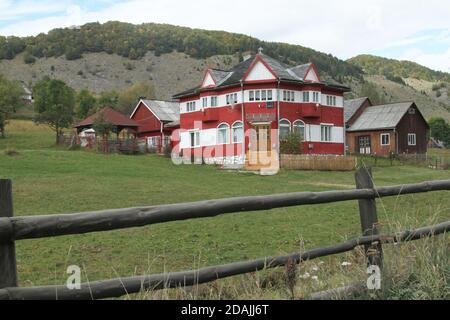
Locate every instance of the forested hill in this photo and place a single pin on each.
(134, 41)
(394, 69)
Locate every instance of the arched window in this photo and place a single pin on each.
(223, 134)
(299, 128)
(285, 129)
(238, 132)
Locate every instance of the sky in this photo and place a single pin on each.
(415, 30)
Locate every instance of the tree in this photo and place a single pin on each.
(54, 104)
(86, 104)
(440, 130)
(371, 91)
(11, 93)
(129, 97)
(108, 98)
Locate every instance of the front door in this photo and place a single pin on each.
(364, 145)
(260, 148)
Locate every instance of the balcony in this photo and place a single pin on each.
(210, 114)
(311, 110)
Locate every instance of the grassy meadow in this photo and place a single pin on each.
(51, 180)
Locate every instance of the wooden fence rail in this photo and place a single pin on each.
(29, 227)
(123, 286)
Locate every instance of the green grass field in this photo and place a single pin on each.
(49, 180)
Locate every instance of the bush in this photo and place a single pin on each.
(28, 58)
(292, 144)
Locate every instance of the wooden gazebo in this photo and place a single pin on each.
(113, 118)
(110, 116)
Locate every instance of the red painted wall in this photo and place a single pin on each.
(149, 125)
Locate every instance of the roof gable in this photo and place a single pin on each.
(208, 80)
(165, 111)
(259, 70)
(312, 75)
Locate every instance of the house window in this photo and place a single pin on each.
(285, 129)
(385, 139)
(238, 132)
(331, 101)
(325, 133)
(191, 106)
(213, 101)
(269, 95)
(251, 95)
(315, 97)
(231, 98)
(411, 139)
(299, 128)
(263, 95)
(305, 96)
(228, 99)
(235, 99)
(257, 95)
(205, 102)
(194, 138)
(223, 133)
(288, 96)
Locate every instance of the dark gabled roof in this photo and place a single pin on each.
(351, 106)
(381, 117)
(219, 75)
(237, 73)
(166, 111)
(110, 116)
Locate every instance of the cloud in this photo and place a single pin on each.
(436, 61)
(344, 28)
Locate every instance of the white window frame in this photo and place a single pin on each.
(326, 133)
(205, 102)
(305, 96)
(388, 139)
(257, 95)
(316, 96)
(196, 143)
(238, 125)
(301, 124)
(269, 95)
(285, 123)
(227, 136)
(214, 101)
(251, 95)
(412, 139)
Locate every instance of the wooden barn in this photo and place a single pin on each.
(157, 121)
(397, 128)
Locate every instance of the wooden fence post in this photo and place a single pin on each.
(8, 268)
(368, 215)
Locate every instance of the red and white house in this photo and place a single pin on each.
(157, 121)
(259, 96)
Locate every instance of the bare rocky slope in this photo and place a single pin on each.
(174, 72)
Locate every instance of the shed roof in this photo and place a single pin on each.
(351, 106)
(166, 111)
(381, 117)
(111, 116)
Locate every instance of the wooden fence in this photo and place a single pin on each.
(320, 163)
(31, 227)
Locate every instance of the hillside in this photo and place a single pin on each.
(393, 69)
(102, 57)
(134, 41)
